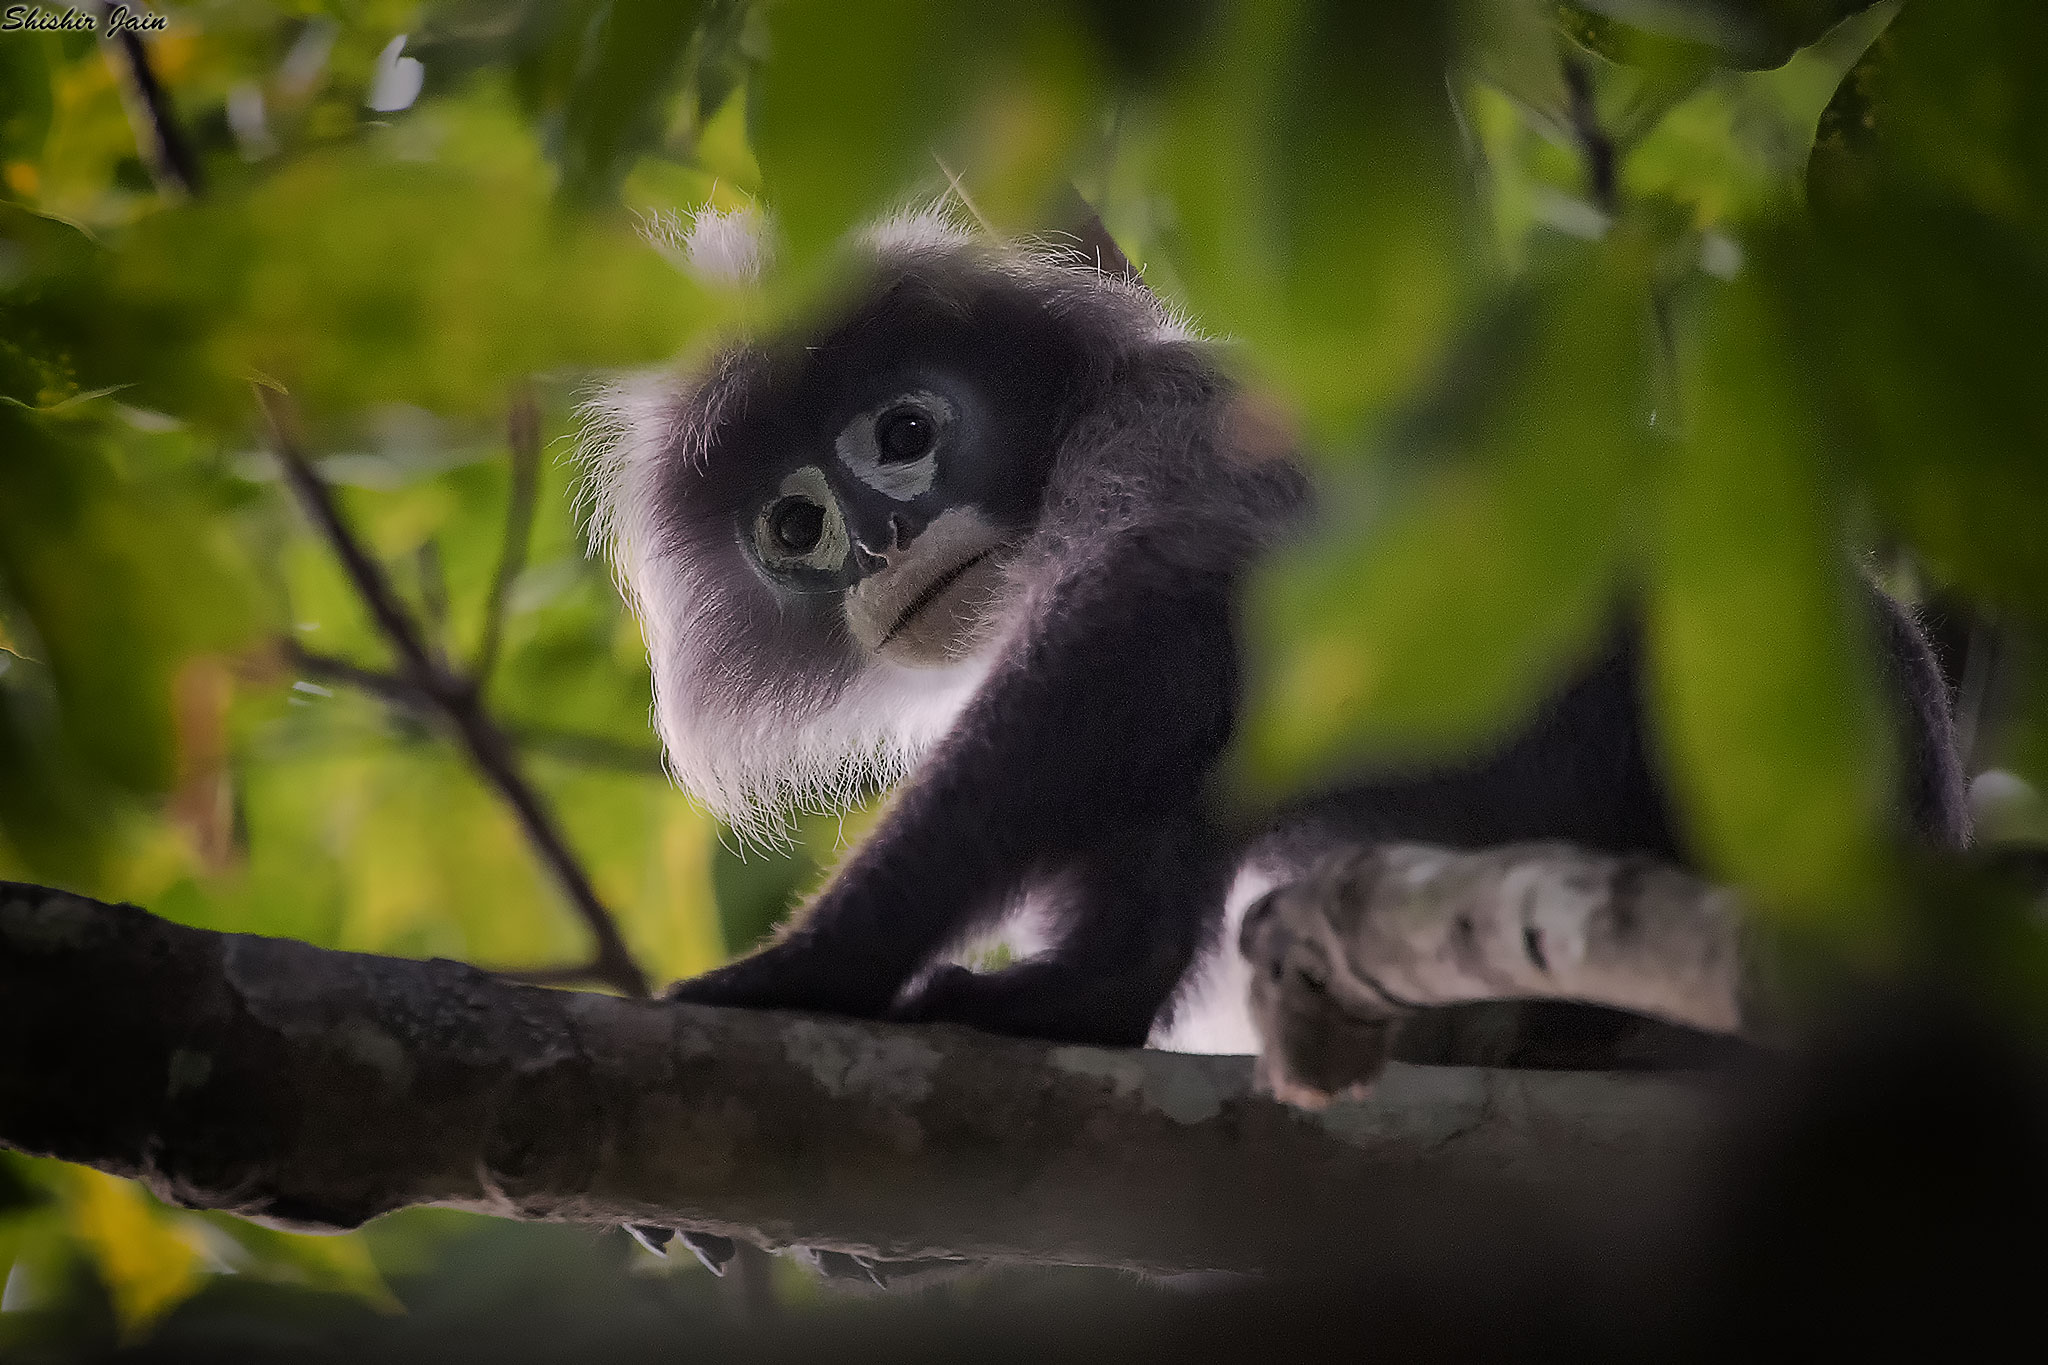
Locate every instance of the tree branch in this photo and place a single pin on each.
(158, 135)
(1596, 144)
(1378, 931)
(274, 1079)
(455, 698)
(568, 746)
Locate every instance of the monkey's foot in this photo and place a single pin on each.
(1318, 1047)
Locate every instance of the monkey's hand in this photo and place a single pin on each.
(797, 973)
(1046, 999)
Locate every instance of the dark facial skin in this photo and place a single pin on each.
(857, 444)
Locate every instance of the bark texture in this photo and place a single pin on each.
(313, 1087)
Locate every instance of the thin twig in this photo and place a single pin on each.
(388, 688)
(433, 594)
(1596, 145)
(522, 431)
(165, 150)
(453, 696)
(548, 741)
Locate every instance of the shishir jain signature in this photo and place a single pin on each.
(116, 19)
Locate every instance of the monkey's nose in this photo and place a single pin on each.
(866, 560)
(870, 560)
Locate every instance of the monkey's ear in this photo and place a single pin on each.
(1077, 218)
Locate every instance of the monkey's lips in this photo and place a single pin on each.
(929, 608)
(930, 595)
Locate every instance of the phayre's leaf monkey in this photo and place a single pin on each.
(983, 531)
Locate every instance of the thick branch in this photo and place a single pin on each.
(276, 1079)
(1339, 957)
(457, 700)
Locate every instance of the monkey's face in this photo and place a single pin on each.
(902, 464)
(888, 521)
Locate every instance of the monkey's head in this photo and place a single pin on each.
(823, 531)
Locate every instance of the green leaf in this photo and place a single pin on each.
(1948, 100)
(85, 556)
(1494, 570)
(67, 328)
(1928, 321)
(630, 68)
(1923, 288)
(1315, 174)
(354, 277)
(147, 1255)
(1761, 645)
(1748, 34)
(340, 1264)
(25, 106)
(851, 102)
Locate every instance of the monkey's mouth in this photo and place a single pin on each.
(931, 593)
(930, 606)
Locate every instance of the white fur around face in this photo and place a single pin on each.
(754, 736)
(822, 742)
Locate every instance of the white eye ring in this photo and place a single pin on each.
(830, 549)
(898, 479)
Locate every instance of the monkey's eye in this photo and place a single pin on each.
(797, 524)
(895, 447)
(801, 526)
(903, 433)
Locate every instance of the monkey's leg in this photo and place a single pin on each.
(1342, 957)
(1142, 906)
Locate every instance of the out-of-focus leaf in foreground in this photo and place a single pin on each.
(1922, 289)
(104, 623)
(852, 104)
(1501, 558)
(1763, 647)
(631, 60)
(1315, 173)
(356, 276)
(1744, 34)
(148, 1258)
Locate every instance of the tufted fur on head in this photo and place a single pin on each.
(760, 717)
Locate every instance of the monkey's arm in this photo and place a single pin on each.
(1100, 722)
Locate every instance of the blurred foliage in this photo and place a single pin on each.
(1696, 300)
